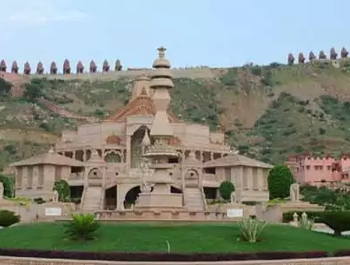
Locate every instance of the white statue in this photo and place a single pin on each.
(233, 197)
(55, 196)
(146, 188)
(1, 191)
(294, 192)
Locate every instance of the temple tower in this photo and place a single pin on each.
(160, 152)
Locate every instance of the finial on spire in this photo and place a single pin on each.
(161, 51)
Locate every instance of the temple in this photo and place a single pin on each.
(143, 156)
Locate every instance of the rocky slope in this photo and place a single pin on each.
(268, 112)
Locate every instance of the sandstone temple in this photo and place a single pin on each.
(143, 156)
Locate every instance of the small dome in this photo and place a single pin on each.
(161, 61)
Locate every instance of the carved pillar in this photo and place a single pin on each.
(104, 177)
(260, 179)
(86, 178)
(128, 152)
(211, 156)
(201, 156)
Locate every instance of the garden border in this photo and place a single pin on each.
(166, 257)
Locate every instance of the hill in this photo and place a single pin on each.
(268, 112)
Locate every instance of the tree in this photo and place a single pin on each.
(33, 91)
(225, 189)
(9, 186)
(5, 87)
(63, 189)
(279, 180)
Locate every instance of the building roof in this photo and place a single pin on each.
(236, 160)
(49, 158)
(142, 105)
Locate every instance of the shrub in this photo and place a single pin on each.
(288, 216)
(82, 227)
(9, 186)
(338, 221)
(225, 189)
(63, 190)
(251, 229)
(8, 218)
(279, 180)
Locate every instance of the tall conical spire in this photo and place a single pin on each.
(161, 81)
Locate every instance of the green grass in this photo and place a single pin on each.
(182, 238)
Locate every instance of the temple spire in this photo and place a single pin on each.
(161, 82)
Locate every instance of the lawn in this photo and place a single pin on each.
(182, 238)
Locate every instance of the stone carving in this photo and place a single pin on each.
(322, 55)
(344, 53)
(301, 58)
(66, 67)
(40, 68)
(118, 66)
(291, 59)
(294, 192)
(53, 68)
(80, 68)
(105, 67)
(146, 188)
(3, 66)
(311, 56)
(1, 191)
(55, 196)
(27, 69)
(233, 197)
(93, 67)
(14, 67)
(332, 54)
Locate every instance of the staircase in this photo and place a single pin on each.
(194, 200)
(93, 199)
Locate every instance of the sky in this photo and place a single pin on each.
(216, 33)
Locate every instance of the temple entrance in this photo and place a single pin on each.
(136, 148)
(111, 198)
(210, 193)
(131, 197)
(76, 192)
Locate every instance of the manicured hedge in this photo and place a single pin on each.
(119, 256)
(288, 216)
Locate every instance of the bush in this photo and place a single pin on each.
(226, 188)
(251, 229)
(82, 227)
(338, 221)
(8, 218)
(279, 180)
(63, 190)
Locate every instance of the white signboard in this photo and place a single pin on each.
(234, 213)
(53, 211)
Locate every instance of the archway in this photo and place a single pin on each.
(131, 197)
(136, 148)
(113, 157)
(94, 173)
(111, 198)
(191, 178)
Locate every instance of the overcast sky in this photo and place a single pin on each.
(195, 32)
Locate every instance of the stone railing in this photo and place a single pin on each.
(36, 261)
(210, 177)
